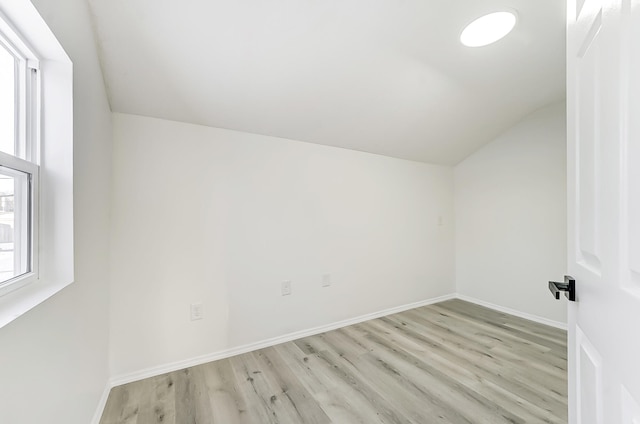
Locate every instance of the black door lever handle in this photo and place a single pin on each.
(568, 287)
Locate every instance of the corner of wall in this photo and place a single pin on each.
(503, 225)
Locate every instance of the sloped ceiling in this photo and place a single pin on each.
(381, 76)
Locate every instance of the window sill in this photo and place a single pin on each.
(17, 302)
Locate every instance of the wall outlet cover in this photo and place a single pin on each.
(197, 312)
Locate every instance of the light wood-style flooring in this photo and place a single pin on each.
(452, 362)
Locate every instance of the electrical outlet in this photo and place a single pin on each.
(197, 312)
(440, 221)
(286, 288)
(326, 280)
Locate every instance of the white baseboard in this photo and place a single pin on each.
(174, 366)
(214, 356)
(530, 317)
(101, 405)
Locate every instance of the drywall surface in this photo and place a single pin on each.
(222, 218)
(53, 359)
(510, 207)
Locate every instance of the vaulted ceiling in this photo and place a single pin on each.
(382, 76)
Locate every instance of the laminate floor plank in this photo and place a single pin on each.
(481, 332)
(385, 379)
(116, 403)
(436, 382)
(257, 390)
(157, 403)
(362, 387)
(340, 401)
(480, 361)
(478, 315)
(452, 362)
(300, 400)
(490, 337)
(480, 387)
(506, 319)
(220, 388)
(451, 400)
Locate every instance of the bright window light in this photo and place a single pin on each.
(19, 170)
(7, 101)
(488, 29)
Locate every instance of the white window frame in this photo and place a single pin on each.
(27, 148)
(51, 158)
(10, 164)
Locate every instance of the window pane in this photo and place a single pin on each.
(7, 101)
(14, 224)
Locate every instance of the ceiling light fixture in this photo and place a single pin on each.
(488, 29)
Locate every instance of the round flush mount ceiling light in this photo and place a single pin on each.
(488, 29)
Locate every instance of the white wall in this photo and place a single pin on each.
(223, 217)
(53, 359)
(510, 208)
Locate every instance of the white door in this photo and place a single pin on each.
(603, 111)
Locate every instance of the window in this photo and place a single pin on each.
(36, 161)
(19, 168)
